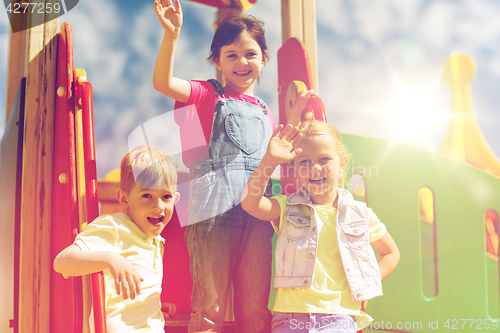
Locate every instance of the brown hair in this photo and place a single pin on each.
(230, 30)
(315, 128)
(145, 166)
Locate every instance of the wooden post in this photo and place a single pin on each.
(15, 70)
(291, 20)
(35, 264)
(298, 19)
(107, 197)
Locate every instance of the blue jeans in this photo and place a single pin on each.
(312, 322)
(233, 246)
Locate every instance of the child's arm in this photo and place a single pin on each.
(387, 260)
(388, 254)
(170, 18)
(72, 261)
(279, 150)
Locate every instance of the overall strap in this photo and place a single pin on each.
(219, 89)
(261, 102)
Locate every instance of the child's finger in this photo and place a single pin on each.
(157, 7)
(124, 288)
(308, 93)
(137, 281)
(289, 132)
(117, 286)
(277, 130)
(132, 286)
(174, 311)
(285, 131)
(297, 151)
(131, 291)
(296, 139)
(293, 132)
(165, 307)
(178, 8)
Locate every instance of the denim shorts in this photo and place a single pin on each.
(284, 322)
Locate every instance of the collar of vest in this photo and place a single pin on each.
(302, 197)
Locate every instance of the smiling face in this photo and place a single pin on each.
(318, 168)
(241, 63)
(149, 209)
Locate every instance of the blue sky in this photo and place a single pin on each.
(379, 65)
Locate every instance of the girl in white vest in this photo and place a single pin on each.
(326, 269)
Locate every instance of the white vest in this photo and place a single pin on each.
(297, 244)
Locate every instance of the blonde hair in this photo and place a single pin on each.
(313, 129)
(148, 167)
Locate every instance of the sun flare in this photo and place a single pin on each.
(414, 118)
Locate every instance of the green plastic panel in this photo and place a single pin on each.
(464, 284)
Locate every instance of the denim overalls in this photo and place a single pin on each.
(224, 242)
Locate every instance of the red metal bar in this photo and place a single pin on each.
(66, 311)
(89, 149)
(293, 65)
(227, 3)
(97, 279)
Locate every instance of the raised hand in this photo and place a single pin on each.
(170, 17)
(281, 146)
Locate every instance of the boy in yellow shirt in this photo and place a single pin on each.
(127, 246)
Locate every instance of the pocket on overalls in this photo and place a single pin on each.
(201, 193)
(247, 133)
(297, 226)
(357, 234)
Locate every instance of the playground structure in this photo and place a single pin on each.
(441, 209)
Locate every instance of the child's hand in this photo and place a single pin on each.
(170, 17)
(169, 309)
(280, 148)
(364, 304)
(127, 278)
(295, 115)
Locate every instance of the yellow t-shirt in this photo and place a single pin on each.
(118, 234)
(329, 292)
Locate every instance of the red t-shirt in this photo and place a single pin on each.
(195, 118)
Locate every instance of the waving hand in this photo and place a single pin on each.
(170, 17)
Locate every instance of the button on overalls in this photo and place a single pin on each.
(224, 242)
